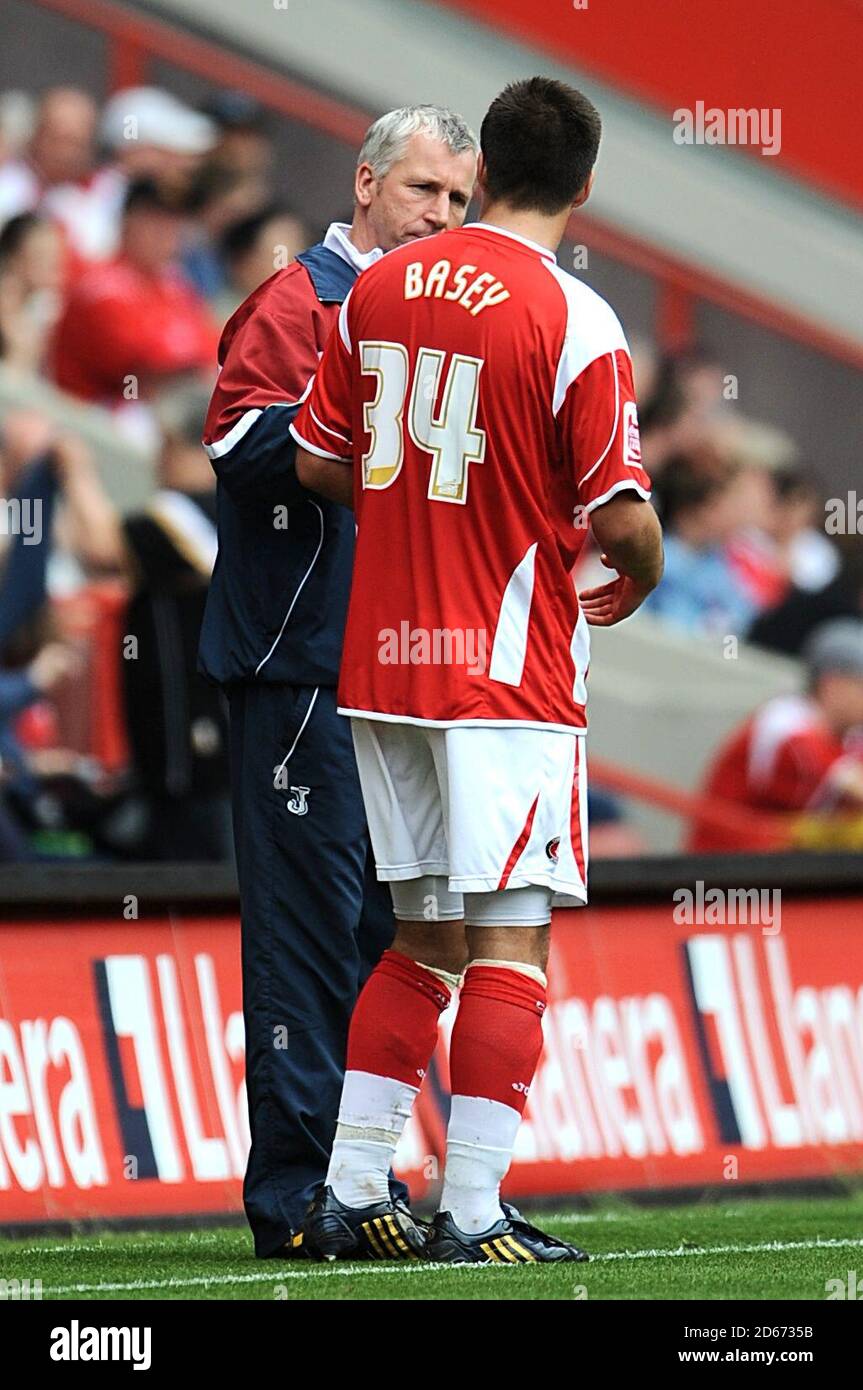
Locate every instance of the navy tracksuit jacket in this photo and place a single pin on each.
(315, 920)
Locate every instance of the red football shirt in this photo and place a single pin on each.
(784, 758)
(119, 322)
(486, 400)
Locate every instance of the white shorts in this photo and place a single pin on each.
(488, 808)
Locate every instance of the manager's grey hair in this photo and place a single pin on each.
(387, 139)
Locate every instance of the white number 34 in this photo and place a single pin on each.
(451, 436)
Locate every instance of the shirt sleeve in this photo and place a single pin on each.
(323, 424)
(598, 420)
(268, 357)
(268, 360)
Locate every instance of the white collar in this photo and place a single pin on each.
(525, 241)
(339, 242)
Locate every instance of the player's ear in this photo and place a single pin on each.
(582, 197)
(480, 174)
(364, 181)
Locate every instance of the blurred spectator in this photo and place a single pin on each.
(31, 278)
(244, 148)
(33, 663)
(154, 135)
(175, 720)
(59, 155)
(754, 556)
(797, 752)
(233, 185)
(131, 325)
(19, 781)
(17, 118)
(782, 549)
(255, 248)
(699, 590)
(24, 436)
(786, 627)
(745, 443)
(150, 134)
(661, 408)
(220, 199)
(28, 482)
(811, 558)
(56, 175)
(702, 380)
(645, 369)
(680, 404)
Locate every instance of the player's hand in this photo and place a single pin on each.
(612, 602)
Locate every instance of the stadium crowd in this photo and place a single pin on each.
(127, 238)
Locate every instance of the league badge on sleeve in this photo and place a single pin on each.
(631, 436)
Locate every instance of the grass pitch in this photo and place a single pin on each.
(758, 1249)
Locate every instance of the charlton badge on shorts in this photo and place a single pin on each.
(552, 848)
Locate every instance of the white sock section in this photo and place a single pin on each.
(451, 981)
(479, 1145)
(533, 972)
(373, 1113)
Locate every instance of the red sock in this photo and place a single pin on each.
(394, 1027)
(497, 1038)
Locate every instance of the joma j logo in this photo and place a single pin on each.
(298, 804)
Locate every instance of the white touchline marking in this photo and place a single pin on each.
(766, 1247)
(422, 1267)
(577, 1217)
(60, 1250)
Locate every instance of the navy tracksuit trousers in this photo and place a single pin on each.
(315, 921)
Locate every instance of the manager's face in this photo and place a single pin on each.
(426, 191)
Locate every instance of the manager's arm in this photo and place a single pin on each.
(261, 466)
(267, 365)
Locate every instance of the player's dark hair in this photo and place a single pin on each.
(540, 140)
